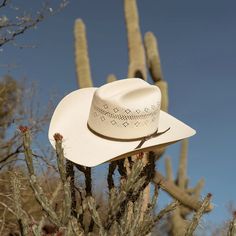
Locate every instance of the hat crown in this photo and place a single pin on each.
(125, 109)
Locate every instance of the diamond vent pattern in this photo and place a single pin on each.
(125, 117)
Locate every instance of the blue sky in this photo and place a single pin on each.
(198, 54)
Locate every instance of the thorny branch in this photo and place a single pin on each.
(17, 151)
(10, 29)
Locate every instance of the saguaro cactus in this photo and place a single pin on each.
(81, 56)
(111, 78)
(154, 65)
(137, 62)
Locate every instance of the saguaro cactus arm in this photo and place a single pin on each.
(153, 57)
(169, 171)
(111, 78)
(178, 194)
(154, 65)
(135, 45)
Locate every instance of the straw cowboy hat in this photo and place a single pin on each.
(113, 121)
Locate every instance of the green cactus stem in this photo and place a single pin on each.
(38, 191)
(154, 65)
(182, 175)
(111, 78)
(64, 179)
(169, 170)
(153, 58)
(22, 217)
(135, 45)
(81, 56)
(163, 86)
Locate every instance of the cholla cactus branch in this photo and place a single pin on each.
(76, 227)
(43, 201)
(131, 219)
(166, 210)
(22, 218)
(81, 56)
(153, 58)
(88, 178)
(65, 180)
(154, 199)
(38, 191)
(232, 226)
(178, 193)
(88, 181)
(3, 220)
(37, 229)
(135, 44)
(121, 168)
(149, 222)
(96, 218)
(111, 170)
(70, 174)
(118, 203)
(196, 218)
(27, 150)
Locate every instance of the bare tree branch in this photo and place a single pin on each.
(12, 27)
(4, 3)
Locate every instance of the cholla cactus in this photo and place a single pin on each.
(117, 220)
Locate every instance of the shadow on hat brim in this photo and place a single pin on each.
(83, 147)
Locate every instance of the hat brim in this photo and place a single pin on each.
(83, 147)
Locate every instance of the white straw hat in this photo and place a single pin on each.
(116, 120)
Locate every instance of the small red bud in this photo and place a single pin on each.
(23, 129)
(59, 234)
(140, 155)
(58, 137)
